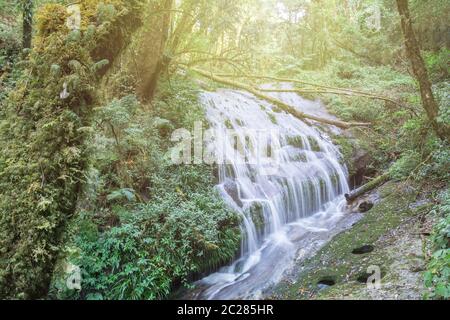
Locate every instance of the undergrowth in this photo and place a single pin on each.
(437, 276)
(145, 225)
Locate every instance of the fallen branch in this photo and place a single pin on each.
(278, 103)
(329, 89)
(367, 187)
(288, 80)
(342, 93)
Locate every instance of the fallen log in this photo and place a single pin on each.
(337, 92)
(280, 104)
(334, 89)
(350, 197)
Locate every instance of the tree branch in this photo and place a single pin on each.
(290, 109)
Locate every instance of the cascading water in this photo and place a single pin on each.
(284, 178)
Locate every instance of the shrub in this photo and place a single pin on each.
(146, 225)
(438, 64)
(437, 276)
(157, 244)
(405, 166)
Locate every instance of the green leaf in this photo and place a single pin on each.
(122, 194)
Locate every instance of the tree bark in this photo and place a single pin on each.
(283, 106)
(420, 72)
(27, 23)
(151, 83)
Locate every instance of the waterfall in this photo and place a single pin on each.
(282, 175)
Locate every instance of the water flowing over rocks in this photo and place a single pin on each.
(286, 181)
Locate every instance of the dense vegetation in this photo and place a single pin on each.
(143, 223)
(86, 116)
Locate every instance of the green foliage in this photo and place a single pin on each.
(44, 156)
(405, 166)
(160, 242)
(438, 64)
(437, 276)
(437, 167)
(146, 225)
(9, 49)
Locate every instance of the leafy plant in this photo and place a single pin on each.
(130, 250)
(437, 276)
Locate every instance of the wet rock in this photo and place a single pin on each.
(360, 160)
(363, 250)
(230, 171)
(363, 277)
(326, 282)
(314, 144)
(273, 118)
(231, 188)
(417, 266)
(215, 173)
(256, 213)
(228, 124)
(365, 206)
(295, 141)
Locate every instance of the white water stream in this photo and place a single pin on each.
(290, 200)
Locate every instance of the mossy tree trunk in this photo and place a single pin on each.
(420, 71)
(150, 83)
(27, 23)
(375, 183)
(42, 139)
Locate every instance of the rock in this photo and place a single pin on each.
(363, 250)
(417, 265)
(360, 160)
(295, 141)
(231, 188)
(215, 173)
(365, 206)
(256, 213)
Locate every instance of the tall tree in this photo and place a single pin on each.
(27, 12)
(150, 82)
(420, 72)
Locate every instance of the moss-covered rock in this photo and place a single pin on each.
(338, 260)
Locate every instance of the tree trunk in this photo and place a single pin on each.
(27, 23)
(350, 197)
(283, 106)
(419, 70)
(151, 83)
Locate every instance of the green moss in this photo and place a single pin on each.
(295, 141)
(272, 118)
(180, 225)
(256, 213)
(44, 156)
(336, 258)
